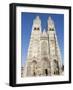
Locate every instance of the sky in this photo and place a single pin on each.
(26, 27)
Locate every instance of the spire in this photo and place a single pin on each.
(37, 23)
(37, 20)
(50, 23)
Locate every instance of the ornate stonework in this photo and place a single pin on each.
(43, 58)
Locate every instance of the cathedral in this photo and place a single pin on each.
(43, 56)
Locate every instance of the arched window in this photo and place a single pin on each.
(34, 28)
(46, 66)
(56, 67)
(38, 28)
(33, 67)
(51, 29)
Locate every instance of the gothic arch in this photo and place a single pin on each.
(56, 67)
(33, 67)
(46, 66)
(34, 61)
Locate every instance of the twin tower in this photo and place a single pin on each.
(43, 57)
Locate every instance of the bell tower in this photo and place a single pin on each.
(54, 49)
(33, 56)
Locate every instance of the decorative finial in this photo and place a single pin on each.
(50, 22)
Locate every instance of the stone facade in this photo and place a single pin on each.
(43, 58)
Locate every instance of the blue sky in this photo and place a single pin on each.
(26, 27)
